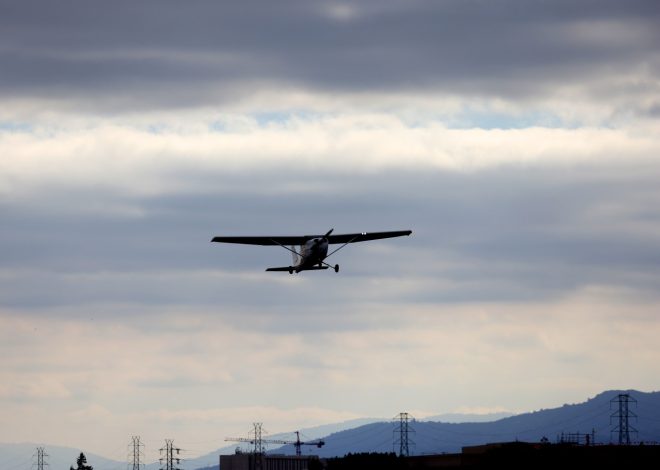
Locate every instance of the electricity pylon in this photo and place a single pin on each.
(41, 459)
(135, 454)
(402, 431)
(623, 414)
(168, 462)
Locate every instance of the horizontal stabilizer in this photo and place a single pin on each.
(291, 268)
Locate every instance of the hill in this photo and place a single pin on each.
(437, 437)
(19, 457)
(429, 436)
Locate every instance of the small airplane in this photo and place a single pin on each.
(313, 248)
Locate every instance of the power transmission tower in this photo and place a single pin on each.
(41, 459)
(258, 440)
(169, 459)
(623, 414)
(136, 454)
(402, 431)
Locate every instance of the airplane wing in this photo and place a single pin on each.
(265, 241)
(299, 240)
(363, 237)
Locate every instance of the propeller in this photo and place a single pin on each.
(325, 237)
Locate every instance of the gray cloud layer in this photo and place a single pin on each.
(498, 235)
(159, 52)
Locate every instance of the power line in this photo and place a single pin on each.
(20, 465)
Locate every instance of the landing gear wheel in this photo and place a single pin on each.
(336, 268)
(290, 270)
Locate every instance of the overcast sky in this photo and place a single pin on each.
(517, 139)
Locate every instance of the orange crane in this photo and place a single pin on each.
(297, 443)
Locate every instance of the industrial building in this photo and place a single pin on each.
(252, 461)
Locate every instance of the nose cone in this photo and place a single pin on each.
(323, 248)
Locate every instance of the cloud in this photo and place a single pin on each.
(335, 372)
(140, 161)
(221, 53)
(517, 141)
(120, 214)
(116, 215)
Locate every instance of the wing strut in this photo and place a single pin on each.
(350, 241)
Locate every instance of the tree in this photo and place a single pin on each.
(82, 463)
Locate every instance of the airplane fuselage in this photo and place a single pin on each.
(312, 254)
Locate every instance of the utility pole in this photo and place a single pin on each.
(168, 462)
(623, 414)
(402, 431)
(135, 453)
(41, 458)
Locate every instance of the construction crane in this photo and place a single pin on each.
(297, 443)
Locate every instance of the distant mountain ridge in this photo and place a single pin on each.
(19, 457)
(429, 437)
(437, 437)
(467, 417)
